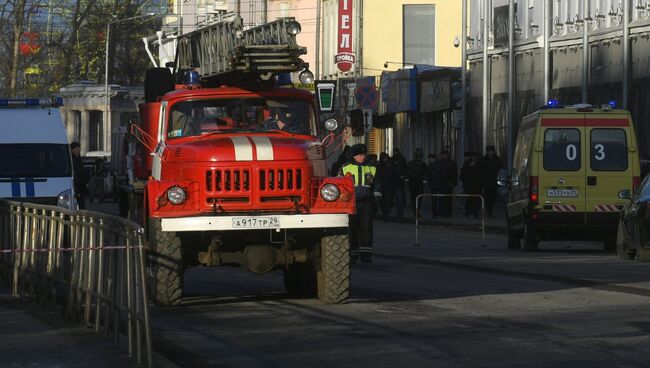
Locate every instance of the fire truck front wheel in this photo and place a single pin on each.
(166, 266)
(334, 274)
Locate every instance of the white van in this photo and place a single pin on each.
(35, 164)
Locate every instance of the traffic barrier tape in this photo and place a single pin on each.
(42, 250)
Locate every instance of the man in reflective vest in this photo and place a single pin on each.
(363, 176)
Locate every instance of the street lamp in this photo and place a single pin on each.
(108, 33)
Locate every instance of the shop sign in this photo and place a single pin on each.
(344, 59)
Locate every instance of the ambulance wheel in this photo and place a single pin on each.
(622, 250)
(334, 273)
(300, 280)
(530, 239)
(166, 265)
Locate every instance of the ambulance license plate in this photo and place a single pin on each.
(255, 222)
(561, 192)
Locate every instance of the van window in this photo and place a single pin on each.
(35, 160)
(608, 150)
(562, 149)
(522, 152)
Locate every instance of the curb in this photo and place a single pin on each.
(492, 229)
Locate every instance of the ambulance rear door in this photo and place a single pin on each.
(562, 167)
(609, 165)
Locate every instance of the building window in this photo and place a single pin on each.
(96, 131)
(419, 34)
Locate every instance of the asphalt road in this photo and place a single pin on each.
(448, 303)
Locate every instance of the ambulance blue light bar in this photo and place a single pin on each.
(553, 103)
(31, 102)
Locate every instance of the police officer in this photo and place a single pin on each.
(363, 175)
(490, 166)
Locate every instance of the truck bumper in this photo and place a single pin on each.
(270, 222)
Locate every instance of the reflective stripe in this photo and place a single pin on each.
(263, 148)
(243, 148)
(15, 189)
(29, 188)
(353, 170)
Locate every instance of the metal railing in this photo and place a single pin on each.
(93, 264)
(417, 210)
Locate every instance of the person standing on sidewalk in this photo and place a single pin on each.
(449, 172)
(363, 175)
(470, 175)
(80, 177)
(490, 166)
(416, 172)
(435, 180)
(400, 195)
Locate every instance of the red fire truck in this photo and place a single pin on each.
(229, 169)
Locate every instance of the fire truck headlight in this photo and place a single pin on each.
(176, 195)
(293, 27)
(330, 192)
(331, 124)
(306, 77)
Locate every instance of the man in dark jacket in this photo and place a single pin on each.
(391, 183)
(449, 172)
(470, 175)
(490, 166)
(343, 158)
(400, 195)
(361, 232)
(416, 171)
(435, 180)
(80, 176)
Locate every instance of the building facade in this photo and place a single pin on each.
(83, 110)
(575, 51)
(409, 51)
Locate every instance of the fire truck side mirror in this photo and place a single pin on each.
(357, 123)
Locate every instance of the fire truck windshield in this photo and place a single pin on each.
(235, 115)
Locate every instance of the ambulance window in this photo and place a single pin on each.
(608, 150)
(35, 160)
(562, 149)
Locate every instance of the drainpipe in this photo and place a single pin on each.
(585, 55)
(511, 80)
(463, 85)
(626, 53)
(486, 65)
(548, 23)
(318, 20)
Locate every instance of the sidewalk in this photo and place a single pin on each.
(494, 224)
(35, 336)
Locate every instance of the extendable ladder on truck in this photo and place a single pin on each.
(225, 47)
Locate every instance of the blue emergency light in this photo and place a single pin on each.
(552, 103)
(191, 77)
(612, 103)
(31, 102)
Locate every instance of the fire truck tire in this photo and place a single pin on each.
(166, 262)
(157, 82)
(334, 274)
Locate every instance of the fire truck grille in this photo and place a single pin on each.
(280, 179)
(228, 180)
